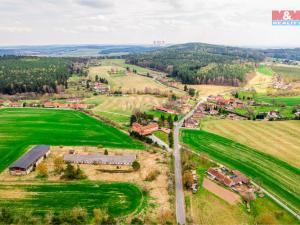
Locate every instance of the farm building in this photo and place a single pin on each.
(145, 130)
(100, 159)
(30, 160)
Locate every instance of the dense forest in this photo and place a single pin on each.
(37, 74)
(196, 63)
(287, 53)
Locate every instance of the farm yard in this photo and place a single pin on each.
(23, 127)
(119, 199)
(277, 176)
(280, 139)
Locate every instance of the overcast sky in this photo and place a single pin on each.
(230, 22)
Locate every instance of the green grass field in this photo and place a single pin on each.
(265, 70)
(119, 199)
(285, 112)
(287, 100)
(162, 135)
(277, 176)
(20, 128)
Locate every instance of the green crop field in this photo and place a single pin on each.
(22, 127)
(118, 199)
(287, 100)
(265, 70)
(277, 176)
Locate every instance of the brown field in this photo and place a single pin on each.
(206, 90)
(260, 82)
(221, 192)
(278, 138)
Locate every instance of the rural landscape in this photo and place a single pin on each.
(164, 133)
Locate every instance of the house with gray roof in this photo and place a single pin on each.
(30, 160)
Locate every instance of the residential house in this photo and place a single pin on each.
(101, 88)
(273, 115)
(165, 130)
(191, 123)
(145, 130)
(164, 109)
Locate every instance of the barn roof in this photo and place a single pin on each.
(31, 157)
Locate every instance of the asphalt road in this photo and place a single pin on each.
(180, 205)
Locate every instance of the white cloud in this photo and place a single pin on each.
(233, 22)
(12, 29)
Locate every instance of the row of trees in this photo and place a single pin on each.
(36, 74)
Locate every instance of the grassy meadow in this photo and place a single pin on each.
(20, 128)
(119, 199)
(277, 176)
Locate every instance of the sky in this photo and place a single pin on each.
(227, 22)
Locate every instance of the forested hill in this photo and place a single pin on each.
(197, 63)
(37, 74)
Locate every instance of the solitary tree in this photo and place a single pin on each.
(187, 179)
(42, 170)
(105, 152)
(136, 165)
(58, 164)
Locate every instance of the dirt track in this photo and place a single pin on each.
(221, 192)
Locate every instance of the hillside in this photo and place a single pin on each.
(197, 63)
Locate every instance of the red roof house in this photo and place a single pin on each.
(145, 130)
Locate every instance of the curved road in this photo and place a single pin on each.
(180, 206)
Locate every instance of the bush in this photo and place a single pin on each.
(42, 170)
(58, 165)
(136, 165)
(152, 175)
(136, 221)
(70, 173)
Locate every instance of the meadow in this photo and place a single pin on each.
(290, 73)
(119, 199)
(275, 175)
(280, 138)
(20, 128)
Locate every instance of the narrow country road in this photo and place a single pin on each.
(180, 205)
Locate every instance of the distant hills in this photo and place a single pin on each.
(75, 50)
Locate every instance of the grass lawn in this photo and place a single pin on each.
(162, 135)
(265, 70)
(277, 176)
(22, 127)
(119, 199)
(287, 100)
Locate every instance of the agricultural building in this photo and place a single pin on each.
(30, 160)
(100, 159)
